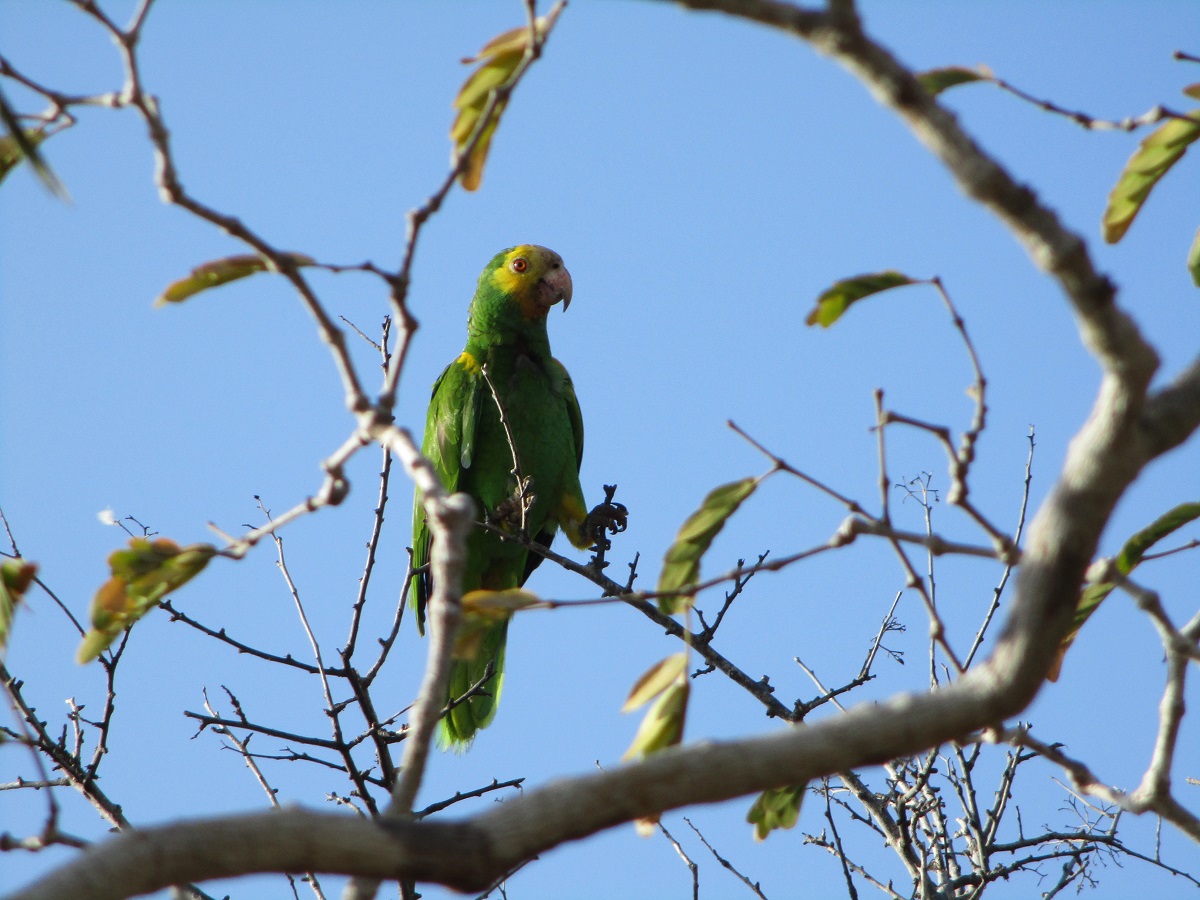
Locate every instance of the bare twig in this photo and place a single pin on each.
(753, 885)
(687, 860)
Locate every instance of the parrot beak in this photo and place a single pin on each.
(555, 286)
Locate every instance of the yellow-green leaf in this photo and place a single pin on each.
(1193, 259)
(656, 680)
(93, 644)
(497, 604)
(498, 60)
(472, 174)
(1125, 562)
(11, 153)
(937, 80)
(222, 271)
(16, 575)
(22, 143)
(837, 298)
(514, 40)
(482, 610)
(681, 565)
(662, 725)
(1154, 156)
(776, 808)
(474, 92)
(141, 576)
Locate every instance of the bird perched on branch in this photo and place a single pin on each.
(504, 428)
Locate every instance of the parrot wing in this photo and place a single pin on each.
(544, 537)
(449, 443)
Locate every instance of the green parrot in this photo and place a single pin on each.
(468, 443)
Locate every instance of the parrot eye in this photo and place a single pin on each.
(520, 264)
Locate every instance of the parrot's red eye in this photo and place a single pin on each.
(520, 264)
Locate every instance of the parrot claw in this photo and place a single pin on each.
(511, 511)
(606, 518)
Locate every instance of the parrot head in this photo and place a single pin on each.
(532, 277)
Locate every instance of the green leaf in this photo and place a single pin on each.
(222, 271)
(1193, 259)
(937, 80)
(499, 60)
(16, 575)
(837, 298)
(22, 143)
(655, 680)
(776, 808)
(1136, 547)
(1126, 561)
(141, 577)
(681, 565)
(662, 725)
(1154, 156)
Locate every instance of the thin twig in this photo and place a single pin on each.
(753, 885)
(687, 860)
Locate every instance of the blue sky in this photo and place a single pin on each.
(704, 181)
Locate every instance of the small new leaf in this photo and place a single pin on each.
(681, 565)
(656, 679)
(498, 61)
(1125, 562)
(484, 609)
(141, 576)
(662, 725)
(222, 271)
(937, 80)
(838, 297)
(776, 808)
(16, 575)
(1153, 158)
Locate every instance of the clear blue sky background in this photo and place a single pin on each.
(704, 180)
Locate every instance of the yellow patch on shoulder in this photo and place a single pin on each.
(468, 362)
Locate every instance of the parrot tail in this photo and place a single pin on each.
(457, 728)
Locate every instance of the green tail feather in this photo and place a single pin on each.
(458, 727)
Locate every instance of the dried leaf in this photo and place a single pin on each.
(655, 680)
(837, 298)
(222, 271)
(681, 565)
(1153, 158)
